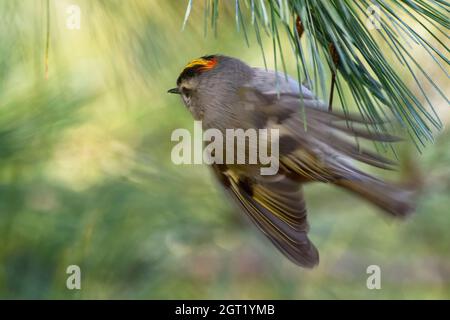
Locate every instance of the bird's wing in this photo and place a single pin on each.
(318, 145)
(270, 82)
(277, 208)
(315, 144)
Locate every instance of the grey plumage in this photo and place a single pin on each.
(232, 95)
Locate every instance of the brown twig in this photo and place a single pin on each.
(335, 57)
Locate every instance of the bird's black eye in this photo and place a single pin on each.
(185, 91)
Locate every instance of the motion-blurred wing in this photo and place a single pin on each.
(314, 143)
(277, 207)
(270, 82)
(318, 145)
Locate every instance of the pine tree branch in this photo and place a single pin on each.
(345, 25)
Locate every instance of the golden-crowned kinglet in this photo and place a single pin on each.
(314, 145)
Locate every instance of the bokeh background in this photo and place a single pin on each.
(86, 176)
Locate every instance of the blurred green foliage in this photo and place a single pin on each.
(86, 176)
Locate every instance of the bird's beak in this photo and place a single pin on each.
(174, 90)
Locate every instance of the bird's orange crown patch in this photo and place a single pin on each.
(197, 66)
(204, 63)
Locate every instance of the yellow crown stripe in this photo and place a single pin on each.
(197, 62)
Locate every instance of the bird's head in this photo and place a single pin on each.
(210, 79)
(189, 80)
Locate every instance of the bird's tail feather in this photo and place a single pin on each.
(398, 201)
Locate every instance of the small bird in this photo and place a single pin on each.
(314, 145)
